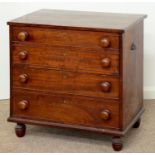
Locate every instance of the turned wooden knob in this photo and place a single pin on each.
(105, 114)
(23, 78)
(23, 55)
(22, 36)
(106, 62)
(23, 104)
(105, 42)
(106, 86)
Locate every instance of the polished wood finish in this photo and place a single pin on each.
(106, 114)
(105, 42)
(20, 130)
(23, 104)
(81, 20)
(106, 86)
(22, 36)
(64, 37)
(23, 55)
(109, 131)
(62, 81)
(117, 143)
(23, 78)
(132, 73)
(83, 72)
(67, 109)
(85, 59)
(106, 62)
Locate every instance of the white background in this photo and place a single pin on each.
(10, 11)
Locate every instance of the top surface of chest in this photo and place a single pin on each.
(79, 19)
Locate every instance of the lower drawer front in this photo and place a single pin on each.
(68, 109)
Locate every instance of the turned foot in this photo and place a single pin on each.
(20, 130)
(117, 143)
(137, 124)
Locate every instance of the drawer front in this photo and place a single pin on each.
(65, 37)
(86, 59)
(65, 109)
(66, 82)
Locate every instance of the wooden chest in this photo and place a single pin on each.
(78, 70)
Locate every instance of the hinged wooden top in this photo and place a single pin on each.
(98, 21)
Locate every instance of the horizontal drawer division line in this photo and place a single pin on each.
(24, 43)
(88, 49)
(69, 94)
(43, 67)
(117, 31)
(56, 29)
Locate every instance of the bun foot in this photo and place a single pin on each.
(137, 124)
(20, 130)
(117, 143)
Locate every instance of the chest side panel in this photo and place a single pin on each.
(132, 72)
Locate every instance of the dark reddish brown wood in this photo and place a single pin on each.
(62, 81)
(65, 37)
(105, 42)
(132, 73)
(23, 104)
(106, 62)
(22, 36)
(85, 59)
(23, 78)
(106, 86)
(80, 20)
(117, 143)
(20, 130)
(68, 109)
(105, 114)
(80, 74)
(109, 131)
(23, 55)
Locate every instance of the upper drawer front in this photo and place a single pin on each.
(75, 58)
(66, 82)
(67, 109)
(65, 37)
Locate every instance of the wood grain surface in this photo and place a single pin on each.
(66, 109)
(85, 59)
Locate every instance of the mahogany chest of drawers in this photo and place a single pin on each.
(78, 70)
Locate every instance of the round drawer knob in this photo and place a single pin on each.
(23, 78)
(22, 36)
(105, 42)
(106, 62)
(23, 55)
(106, 86)
(105, 114)
(23, 105)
